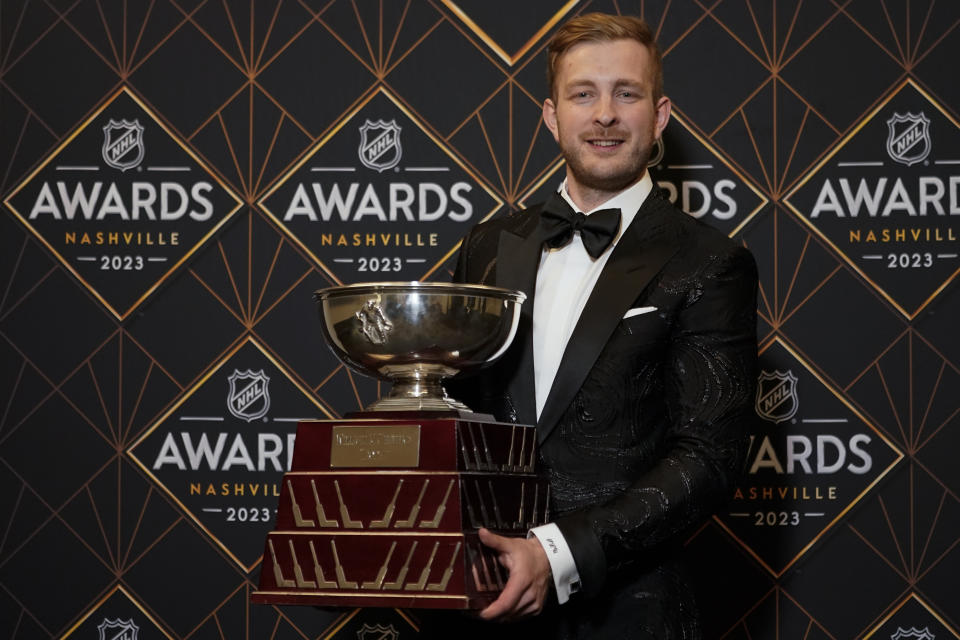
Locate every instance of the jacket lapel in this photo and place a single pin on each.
(518, 257)
(637, 258)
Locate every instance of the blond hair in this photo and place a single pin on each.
(603, 27)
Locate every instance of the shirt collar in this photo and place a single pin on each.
(628, 201)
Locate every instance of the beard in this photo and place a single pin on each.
(607, 175)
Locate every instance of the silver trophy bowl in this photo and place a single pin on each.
(417, 334)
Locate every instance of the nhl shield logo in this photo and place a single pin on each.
(122, 144)
(249, 396)
(118, 630)
(908, 138)
(777, 396)
(377, 632)
(380, 145)
(912, 634)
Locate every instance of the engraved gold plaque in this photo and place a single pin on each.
(396, 445)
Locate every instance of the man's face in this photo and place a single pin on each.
(603, 116)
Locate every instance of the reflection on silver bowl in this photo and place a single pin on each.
(416, 334)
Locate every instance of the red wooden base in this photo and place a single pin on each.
(384, 512)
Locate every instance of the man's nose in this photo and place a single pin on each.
(606, 113)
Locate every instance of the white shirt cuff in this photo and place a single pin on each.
(566, 578)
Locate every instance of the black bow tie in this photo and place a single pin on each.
(558, 222)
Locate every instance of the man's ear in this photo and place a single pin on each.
(663, 115)
(550, 117)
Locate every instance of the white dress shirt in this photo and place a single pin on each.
(565, 280)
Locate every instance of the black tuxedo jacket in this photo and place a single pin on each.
(643, 432)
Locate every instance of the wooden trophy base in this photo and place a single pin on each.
(384, 511)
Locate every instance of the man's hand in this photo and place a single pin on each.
(526, 589)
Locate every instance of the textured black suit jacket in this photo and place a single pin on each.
(643, 432)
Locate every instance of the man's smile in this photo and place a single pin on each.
(604, 143)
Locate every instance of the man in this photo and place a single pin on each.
(636, 361)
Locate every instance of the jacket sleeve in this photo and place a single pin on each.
(460, 269)
(709, 379)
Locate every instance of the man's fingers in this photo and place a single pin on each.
(523, 593)
(507, 601)
(492, 540)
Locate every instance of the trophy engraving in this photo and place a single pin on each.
(361, 446)
(373, 324)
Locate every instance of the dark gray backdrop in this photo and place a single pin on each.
(249, 152)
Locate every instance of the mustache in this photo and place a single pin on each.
(607, 133)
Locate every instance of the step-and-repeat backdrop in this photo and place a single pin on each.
(178, 177)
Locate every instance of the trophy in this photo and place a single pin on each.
(382, 508)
